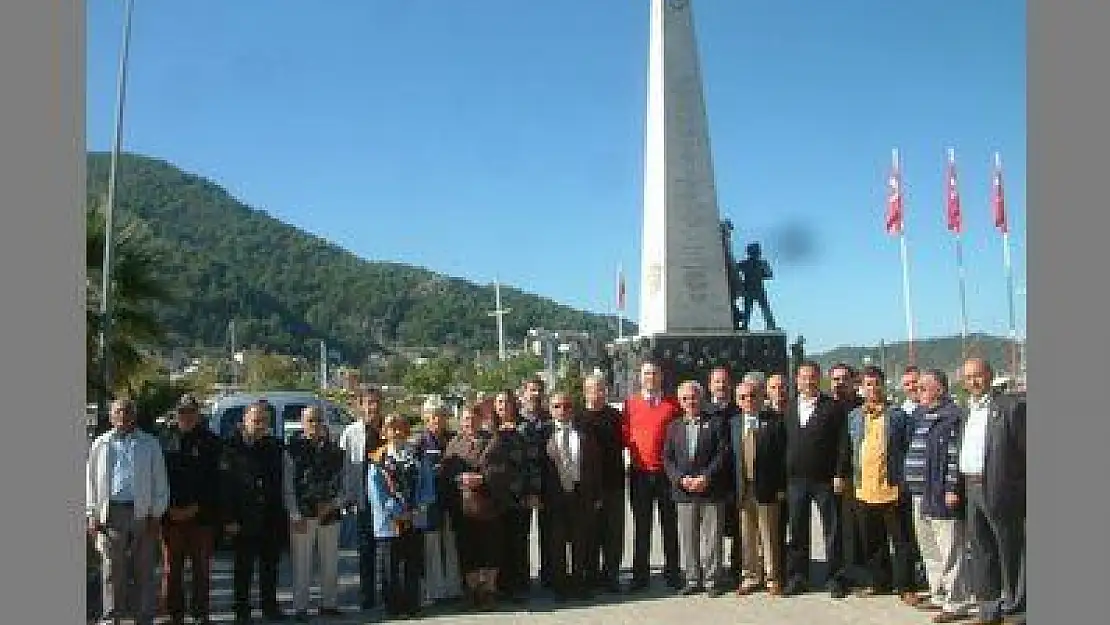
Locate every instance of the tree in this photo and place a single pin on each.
(137, 289)
(272, 372)
(434, 376)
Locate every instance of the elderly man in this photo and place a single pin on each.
(758, 445)
(126, 494)
(992, 465)
(695, 459)
(313, 495)
(192, 456)
(608, 544)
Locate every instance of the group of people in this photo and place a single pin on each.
(447, 516)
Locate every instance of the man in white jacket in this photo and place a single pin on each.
(126, 494)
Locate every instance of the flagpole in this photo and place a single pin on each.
(905, 262)
(955, 224)
(620, 301)
(1007, 263)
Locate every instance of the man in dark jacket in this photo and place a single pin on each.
(815, 471)
(992, 466)
(723, 409)
(933, 481)
(695, 460)
(252, 468)
(758, 448)
(192, 455)
(608, 545)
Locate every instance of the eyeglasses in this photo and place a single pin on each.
(560, 405)
(744, 396)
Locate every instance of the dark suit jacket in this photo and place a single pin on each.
(555, 481)
(770, 457)
(1004, 469)
(815, 451)
(710, 459)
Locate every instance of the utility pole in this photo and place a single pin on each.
(106, 372)
(499, 312)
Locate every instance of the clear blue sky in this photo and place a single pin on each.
(503, 138)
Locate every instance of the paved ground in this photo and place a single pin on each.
(659, 605)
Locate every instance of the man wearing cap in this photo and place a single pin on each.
(191, 453)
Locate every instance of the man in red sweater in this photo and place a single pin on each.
(644, 428)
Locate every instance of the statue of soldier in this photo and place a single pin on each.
(753, 271)
(733, 277)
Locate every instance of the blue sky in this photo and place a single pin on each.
(503, 138)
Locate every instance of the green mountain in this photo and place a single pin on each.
(285, 288)
(945, 353)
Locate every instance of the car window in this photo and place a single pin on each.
(292, 412)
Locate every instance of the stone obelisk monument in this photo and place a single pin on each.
(686, 319)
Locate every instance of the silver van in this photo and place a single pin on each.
(226, 413)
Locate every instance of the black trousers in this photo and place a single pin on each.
(515, 576)
(571, 522)
(607, 547)
(263, 551)
(997, 556)
(802, 494)
(851, 531)
(646, 491)
(367, 559)
(888, 558)
(406, 565)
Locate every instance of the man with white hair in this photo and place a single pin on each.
(126, 494)
(605, 423)
(695, 459)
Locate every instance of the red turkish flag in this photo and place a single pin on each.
(998, 200)
(895, 212)
(952, 207)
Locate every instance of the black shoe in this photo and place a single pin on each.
(330, 612)
(715, 592)
(639, 585)
(793, 587)
(837, 590)
(300, 617)
(275, 615)
(675, 583)
(689, 590)
(242, 618)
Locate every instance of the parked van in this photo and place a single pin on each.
(226, 413)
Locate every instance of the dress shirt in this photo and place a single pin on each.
(123, 467)
(806, 406)
(973, 449)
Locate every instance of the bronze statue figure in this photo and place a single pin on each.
(752, 272)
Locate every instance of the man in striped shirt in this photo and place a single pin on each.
(933, 480)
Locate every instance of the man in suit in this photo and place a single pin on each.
(722, 408)
(608, 544)
(572, 497)
(846, 397)
(126, 494)
(758, 445)
(253, 469)
(695, 460)
(992, 466)
(815, 471)
(778, 402)
(359, 439)
(646, 417)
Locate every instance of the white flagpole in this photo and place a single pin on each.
(1009, 268)
(905, 258)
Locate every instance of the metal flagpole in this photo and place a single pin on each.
(1002, 223)
(499, 313)
(620, 301)
(105, 346)
(905, 259)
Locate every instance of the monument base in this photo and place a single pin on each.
(693, 356)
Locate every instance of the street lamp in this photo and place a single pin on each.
(109, 215)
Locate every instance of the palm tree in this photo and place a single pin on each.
(136, 290)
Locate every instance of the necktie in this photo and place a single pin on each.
(749, 449)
